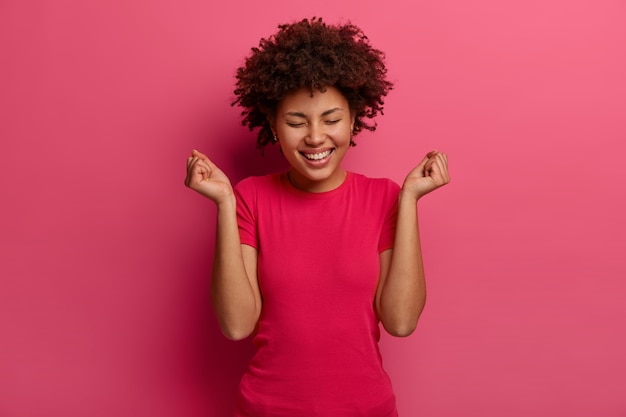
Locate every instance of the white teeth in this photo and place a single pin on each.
(317, 156)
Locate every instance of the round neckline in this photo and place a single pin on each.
(287, 185)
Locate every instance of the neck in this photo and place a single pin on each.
(312, 186)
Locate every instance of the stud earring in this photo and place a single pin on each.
(275, 138)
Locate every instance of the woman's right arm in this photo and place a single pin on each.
(235, 293)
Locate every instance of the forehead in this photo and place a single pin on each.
(303, 101)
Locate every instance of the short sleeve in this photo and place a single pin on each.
(245, 194)
(390, 213)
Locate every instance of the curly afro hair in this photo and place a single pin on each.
(313, 54)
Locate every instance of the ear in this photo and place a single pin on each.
(272, 122)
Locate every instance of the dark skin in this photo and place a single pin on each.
(314, 132)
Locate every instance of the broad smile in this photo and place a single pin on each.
(317, 156)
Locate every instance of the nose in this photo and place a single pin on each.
(315, 136)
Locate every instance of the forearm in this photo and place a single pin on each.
(403, 294)
(233, 296)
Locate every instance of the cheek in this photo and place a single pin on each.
(286, 137)
(343, 134)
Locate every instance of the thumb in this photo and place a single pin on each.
(421, 167)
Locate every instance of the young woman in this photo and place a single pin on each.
(311, 260)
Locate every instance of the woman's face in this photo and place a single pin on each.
(314, 135)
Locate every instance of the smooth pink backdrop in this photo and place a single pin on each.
(105, 256)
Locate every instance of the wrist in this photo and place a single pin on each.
(408, 196)
(226, 202)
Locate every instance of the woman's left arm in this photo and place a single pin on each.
(401, 292)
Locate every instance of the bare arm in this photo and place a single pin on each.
(401, 292)
(235, 293)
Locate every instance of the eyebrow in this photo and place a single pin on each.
(326, 113)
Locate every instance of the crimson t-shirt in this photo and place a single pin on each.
(318, 267)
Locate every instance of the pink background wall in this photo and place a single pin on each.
(105, 256)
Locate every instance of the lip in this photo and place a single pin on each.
(317, 162)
